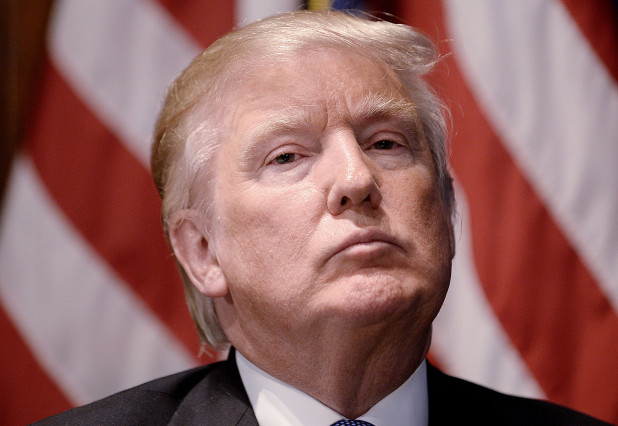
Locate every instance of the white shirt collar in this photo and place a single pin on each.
(277, 403)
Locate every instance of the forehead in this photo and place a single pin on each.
(330, 83)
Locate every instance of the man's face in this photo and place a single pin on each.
(326, 210)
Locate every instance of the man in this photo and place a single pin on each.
(302, 166)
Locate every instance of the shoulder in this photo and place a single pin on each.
(154, 402)
(456, 400)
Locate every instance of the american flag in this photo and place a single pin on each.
(91, 302)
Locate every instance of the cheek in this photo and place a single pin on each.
(265, 229)
(422, 208)
(427, 224)
(261, 245)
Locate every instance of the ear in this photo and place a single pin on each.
(194, 252)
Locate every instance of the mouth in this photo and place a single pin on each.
(366, 242)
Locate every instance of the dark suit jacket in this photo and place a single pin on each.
(214, 395)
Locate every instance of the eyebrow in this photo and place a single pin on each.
(286, 119)
(283, 121)
(376, 106)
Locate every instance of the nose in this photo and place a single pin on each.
(353, 177)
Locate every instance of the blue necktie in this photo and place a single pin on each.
(346, 422)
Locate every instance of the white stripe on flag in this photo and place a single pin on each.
(467, 326)
(248, 11)
(556, 108)
(92, 335)
(119, 57)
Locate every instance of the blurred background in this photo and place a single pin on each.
(90, 300)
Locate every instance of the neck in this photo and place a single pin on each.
(353, 375)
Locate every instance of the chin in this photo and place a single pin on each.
(365, 302)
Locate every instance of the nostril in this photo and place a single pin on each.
(344, 200)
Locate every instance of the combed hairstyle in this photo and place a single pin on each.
(188, 131)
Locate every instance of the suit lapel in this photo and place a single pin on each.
(220, 398)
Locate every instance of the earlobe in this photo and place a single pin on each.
(194, 252)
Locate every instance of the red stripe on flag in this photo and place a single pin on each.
(26, 392)
(544, 296)
(205, 21)
(109, 197)
(598, 21)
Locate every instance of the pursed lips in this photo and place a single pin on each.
(365, 236)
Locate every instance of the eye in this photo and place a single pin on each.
(384, 144)
(285, 158)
